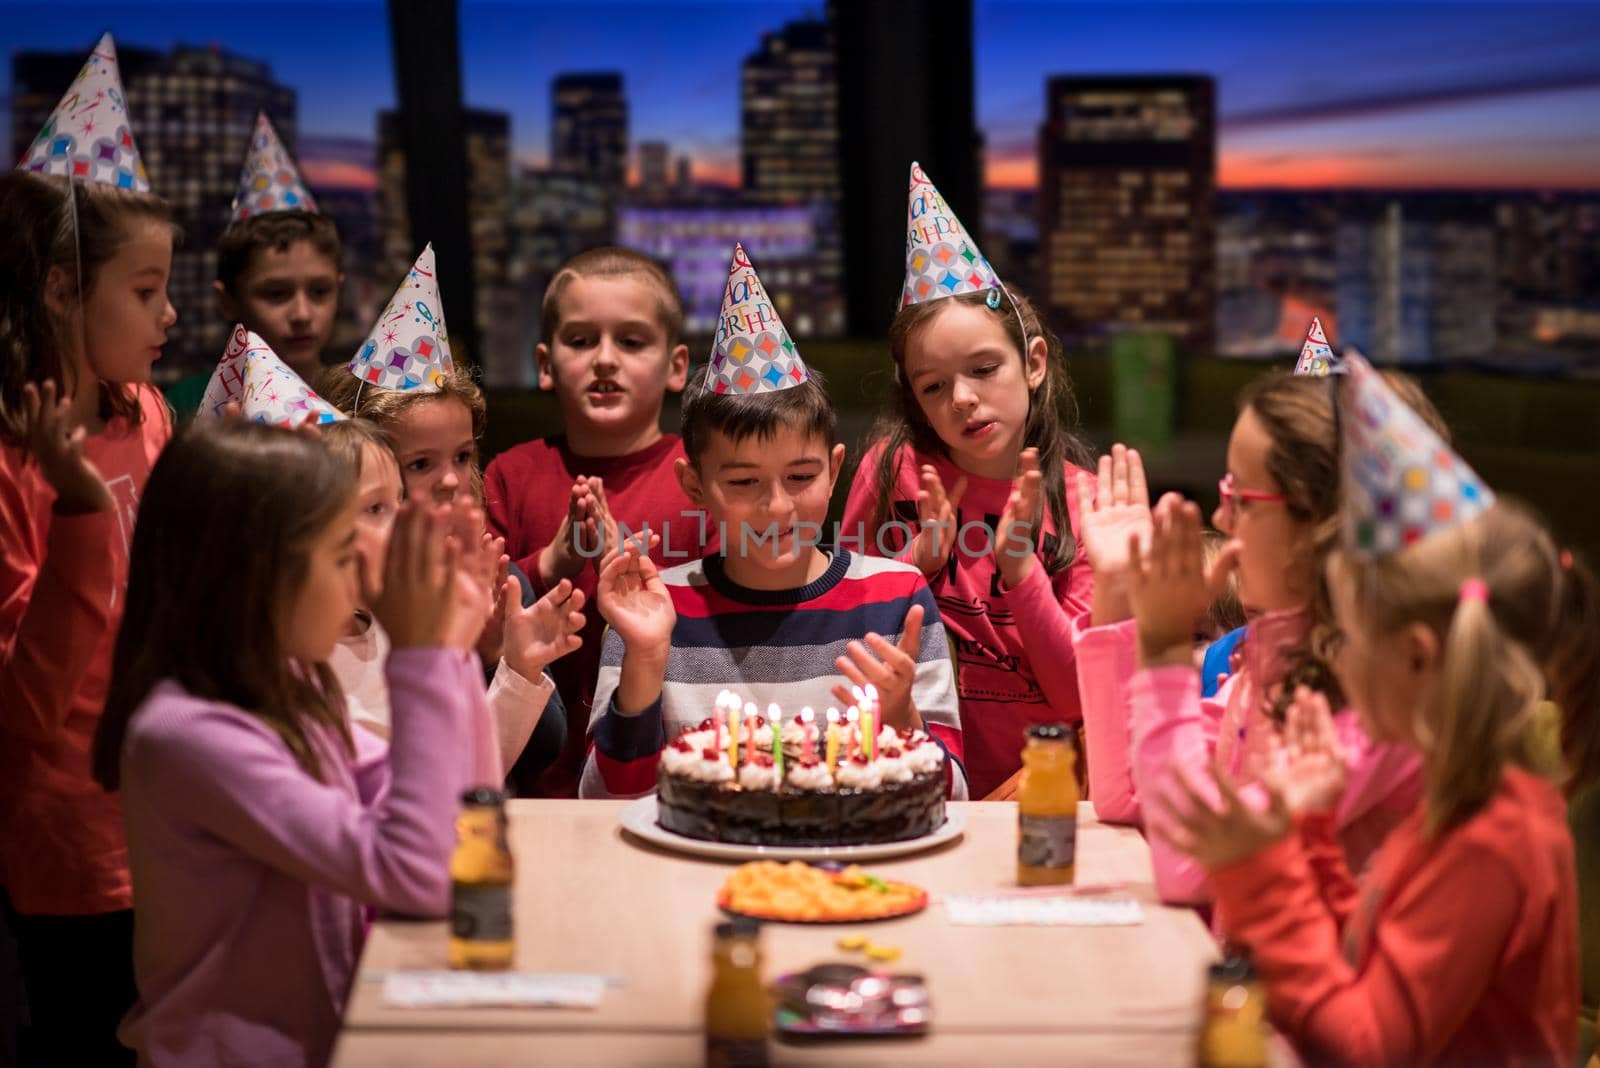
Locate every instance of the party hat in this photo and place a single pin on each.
(942, 259)
(409, 347)
(267, 391)
(1316, 357)
(752, 352)
(270, 181)
(1401, 481)
(87, 136)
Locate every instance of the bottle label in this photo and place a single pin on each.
(1047, 841)
(481, 913)
(736, 1052)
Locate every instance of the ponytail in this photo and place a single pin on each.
(1573, 669)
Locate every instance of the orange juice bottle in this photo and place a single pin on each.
(1047, 807)
(737, 1008)
(481, 877)
(1234, 1031)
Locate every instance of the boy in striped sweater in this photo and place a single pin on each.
(776, 617)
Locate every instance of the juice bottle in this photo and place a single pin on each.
(1047, 807)
(737, 1007)
(1233, 1033)
(481, 877)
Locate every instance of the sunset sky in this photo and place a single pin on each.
(1310, 95)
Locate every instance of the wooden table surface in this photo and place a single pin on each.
(589, 898)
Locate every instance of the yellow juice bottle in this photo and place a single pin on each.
(1047, 807)
(481, 879)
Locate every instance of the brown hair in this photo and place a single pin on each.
(610, 261)
(1225, 613)
(277, 231)
(219, 551)
(1052, 410)
(805, 408)
(1535, 635)
(347, 393)
(349, 439)
(50, 222)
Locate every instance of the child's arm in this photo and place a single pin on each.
(1106, 661)
(533, 637)
(626, 723)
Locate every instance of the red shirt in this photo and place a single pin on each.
(1458, 950)
(62, 585)
(526, 490)
(1015, 665)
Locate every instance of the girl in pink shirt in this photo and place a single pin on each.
(259, 823)
(83, 315)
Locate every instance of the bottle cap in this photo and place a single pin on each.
(483, 797)
(1233, 969)
(741, 927)
(1050, 732)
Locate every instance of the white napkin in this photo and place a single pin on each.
(448, 989)
(1003, 910)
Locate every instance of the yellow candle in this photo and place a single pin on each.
(733, 741)
(869, 732)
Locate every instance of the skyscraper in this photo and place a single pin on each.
(1126, 206)
(589, 130)
(488, 146)
(655, 170)
(192, 112)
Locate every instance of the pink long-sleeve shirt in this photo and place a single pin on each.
(1014, 659)
(1143, 728)
(249, 875)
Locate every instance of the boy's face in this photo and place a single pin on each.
(768, 496)
(290, 298)
(610, 362)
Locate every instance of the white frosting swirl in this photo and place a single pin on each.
(925, 758)
(705, 769)
(895, 768)
(676, 762)
(758, 777)
(860, 776)
(812, 777)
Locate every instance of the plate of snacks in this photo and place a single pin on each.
(796, 892)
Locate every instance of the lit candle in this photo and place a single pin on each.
(719, 716)
(733, 735)
(777, 745)
(749, 723)
(852, 728)
(833, 741)
(808, 732)
(869, 731)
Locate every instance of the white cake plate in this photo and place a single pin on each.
(639, 820)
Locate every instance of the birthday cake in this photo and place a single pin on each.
(735, 779)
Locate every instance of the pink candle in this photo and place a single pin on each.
(719, 718)
(808, 731)
(749, 722)
(852, 718)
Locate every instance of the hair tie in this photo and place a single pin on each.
(1474, 589)
(1566, 559)
(993, 299)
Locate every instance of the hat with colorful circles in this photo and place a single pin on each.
(1316, 356)
(87, 136)
(1401, 481)
(752, 352)
(409, 347)
(270, 181)
(942, 259)
(267, 391)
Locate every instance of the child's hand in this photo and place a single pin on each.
(1113, 511)
(543, 632)
(1016, 541)
(889, 666)
(599, 527)
(492, 547)
(416, 602)
(561, 559)
(477, 577)
(936, 521)
(56, 441)
(1169, 584)
(1221, 837)
(634, 600)
(1308, 765)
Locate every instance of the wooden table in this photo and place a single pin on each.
(591, 899)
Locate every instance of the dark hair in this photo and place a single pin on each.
(219, 550)
(277, 231)
(612, 262)
(50, 222)
(1052, 410)
(804, 408)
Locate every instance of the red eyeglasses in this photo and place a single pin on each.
(1227, 495)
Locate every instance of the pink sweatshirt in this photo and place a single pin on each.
(249, 875)
(1013, 645)
(1145, 727)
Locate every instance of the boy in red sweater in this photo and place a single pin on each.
(612, 348)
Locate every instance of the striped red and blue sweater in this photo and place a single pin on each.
(768, 646)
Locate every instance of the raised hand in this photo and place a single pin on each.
(1308, 765)
(634, 600)
(477, 575)
(416, 602)
(561, 559)
(492, 547)
(889, 666)
(544, 631)
(936, 521)
(1017, 539)
(1169, 585)
(1224, 835)
(56, 443)
(1113, 511)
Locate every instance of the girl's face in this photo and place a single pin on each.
(964, 370)
(1389, 678)
(378, 497)
(328, 596)
(1274, 570)
(438, 455)
(126, 313)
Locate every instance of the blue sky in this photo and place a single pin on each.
(1422, 94)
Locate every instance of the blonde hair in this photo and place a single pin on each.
(1500, 655)
(610, 261)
